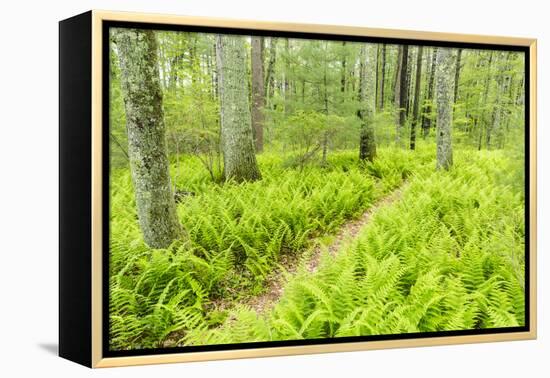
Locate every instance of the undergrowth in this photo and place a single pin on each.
(448, 256)
(236, 234)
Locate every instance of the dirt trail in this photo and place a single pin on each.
(288, 266)
(275, 283)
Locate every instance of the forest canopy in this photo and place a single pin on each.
(269, 188)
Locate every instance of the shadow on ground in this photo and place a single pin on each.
(51, 348)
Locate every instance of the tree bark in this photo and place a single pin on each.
(344, 69)
(258, 92)
(409, 84)
(397, 77)
(483, 101)
(140, 82)
(367, 99)
(403, 92)
(457, 74)
(325, 102)
(382, 76)
(444, 82)
(416, 98)
(236, 130)
(426, 119)
(494, 128)
(269, 76)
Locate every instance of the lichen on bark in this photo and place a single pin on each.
(142, 94)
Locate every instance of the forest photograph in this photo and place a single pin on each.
(266, 188)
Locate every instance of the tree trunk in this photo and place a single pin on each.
(269, 76)
(426, 116)
(494, 129)
(140, 82)
(344, 69)
(367, 99)
(397, 77)
(416, 98)
(258, 92)
(403, 92)
(409, 83)
(286, 81)
(377, 79)
(444, 84)
(457, 74)
(483, 101)
(382, 76)
(325, 102)
(236, 131)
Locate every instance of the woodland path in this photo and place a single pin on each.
(347, 232)
(310, 259)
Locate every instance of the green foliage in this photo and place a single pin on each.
(237, 232)
(447, 256)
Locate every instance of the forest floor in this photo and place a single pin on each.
(331, 244)
(290, 266)
(389, 248)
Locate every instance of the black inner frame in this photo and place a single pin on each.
(106, 25)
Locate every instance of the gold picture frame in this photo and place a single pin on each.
(84, 276)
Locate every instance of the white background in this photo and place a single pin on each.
(29, 190)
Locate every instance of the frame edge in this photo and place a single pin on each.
(98, 16)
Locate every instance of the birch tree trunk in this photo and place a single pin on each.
(367, 99)
(258, 92)
(444, 77)
(236, 131)
(146, 137)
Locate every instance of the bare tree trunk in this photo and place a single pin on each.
(236, 130)
(444, 83)
(258, 92)
(325, 102)
(403, 92)
(426, 119)
(483, 101)
(416, 98)
(409, 83)
(494, 129)
(397, 77)
(382, 76)
(457, 74)
(270, 75)
(367, 99)
(140, 82)
(377, 90)
(286, 82)
(344, 69)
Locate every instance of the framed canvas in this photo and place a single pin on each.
(234, 189)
